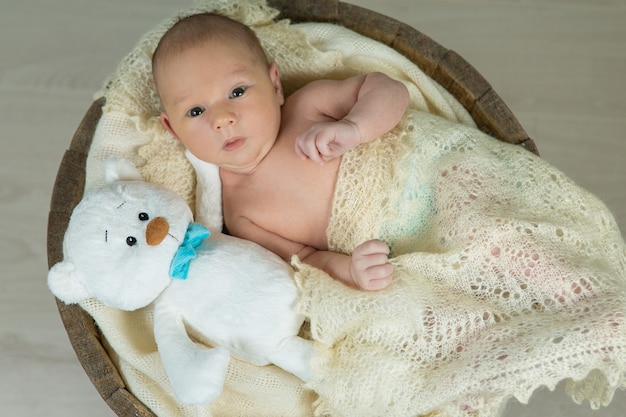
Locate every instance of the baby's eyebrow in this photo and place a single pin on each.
(179, 101)
(120, 206)
(106, 235)
(237, 76)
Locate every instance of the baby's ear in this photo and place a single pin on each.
(120, 169)
(274, 73)
(64, 283)
(165, 122)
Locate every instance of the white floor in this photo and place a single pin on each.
(559, 64)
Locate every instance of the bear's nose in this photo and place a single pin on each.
(156, 231)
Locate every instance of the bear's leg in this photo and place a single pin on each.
(196, 373)
(294, 354)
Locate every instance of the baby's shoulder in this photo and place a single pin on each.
(312, 102)
(314, 88)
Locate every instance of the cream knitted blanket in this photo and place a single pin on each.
(508, 276)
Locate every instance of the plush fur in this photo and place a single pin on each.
(237, 297)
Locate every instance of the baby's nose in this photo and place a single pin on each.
(156, 231)
(223, 118)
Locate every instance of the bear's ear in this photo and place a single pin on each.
(65, 284)
(120, 169)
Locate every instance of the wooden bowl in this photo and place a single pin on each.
(445, 66)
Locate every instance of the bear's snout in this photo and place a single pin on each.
(156, 231)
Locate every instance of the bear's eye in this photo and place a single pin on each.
(131, 241)
(144, 217)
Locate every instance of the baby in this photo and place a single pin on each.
(278, 156)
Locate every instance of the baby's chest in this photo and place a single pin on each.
(294, 202)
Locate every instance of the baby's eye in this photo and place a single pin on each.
(195, 112)
(131, 241)
(143, 216)
(237, 92)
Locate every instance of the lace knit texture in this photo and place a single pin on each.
(508, 276)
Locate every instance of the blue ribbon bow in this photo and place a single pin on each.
(194, 236)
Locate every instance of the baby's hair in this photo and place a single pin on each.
(192, 31)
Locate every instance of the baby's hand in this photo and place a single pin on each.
(327, 140)
(370, 267)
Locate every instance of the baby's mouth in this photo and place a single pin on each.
(233, 144)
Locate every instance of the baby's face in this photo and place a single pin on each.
(222, 104)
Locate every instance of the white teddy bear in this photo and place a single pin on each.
(131, 243)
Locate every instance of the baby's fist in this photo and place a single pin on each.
(370, 266)
(325, 141)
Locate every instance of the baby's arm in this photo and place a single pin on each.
(368, 268)
(364, 107)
